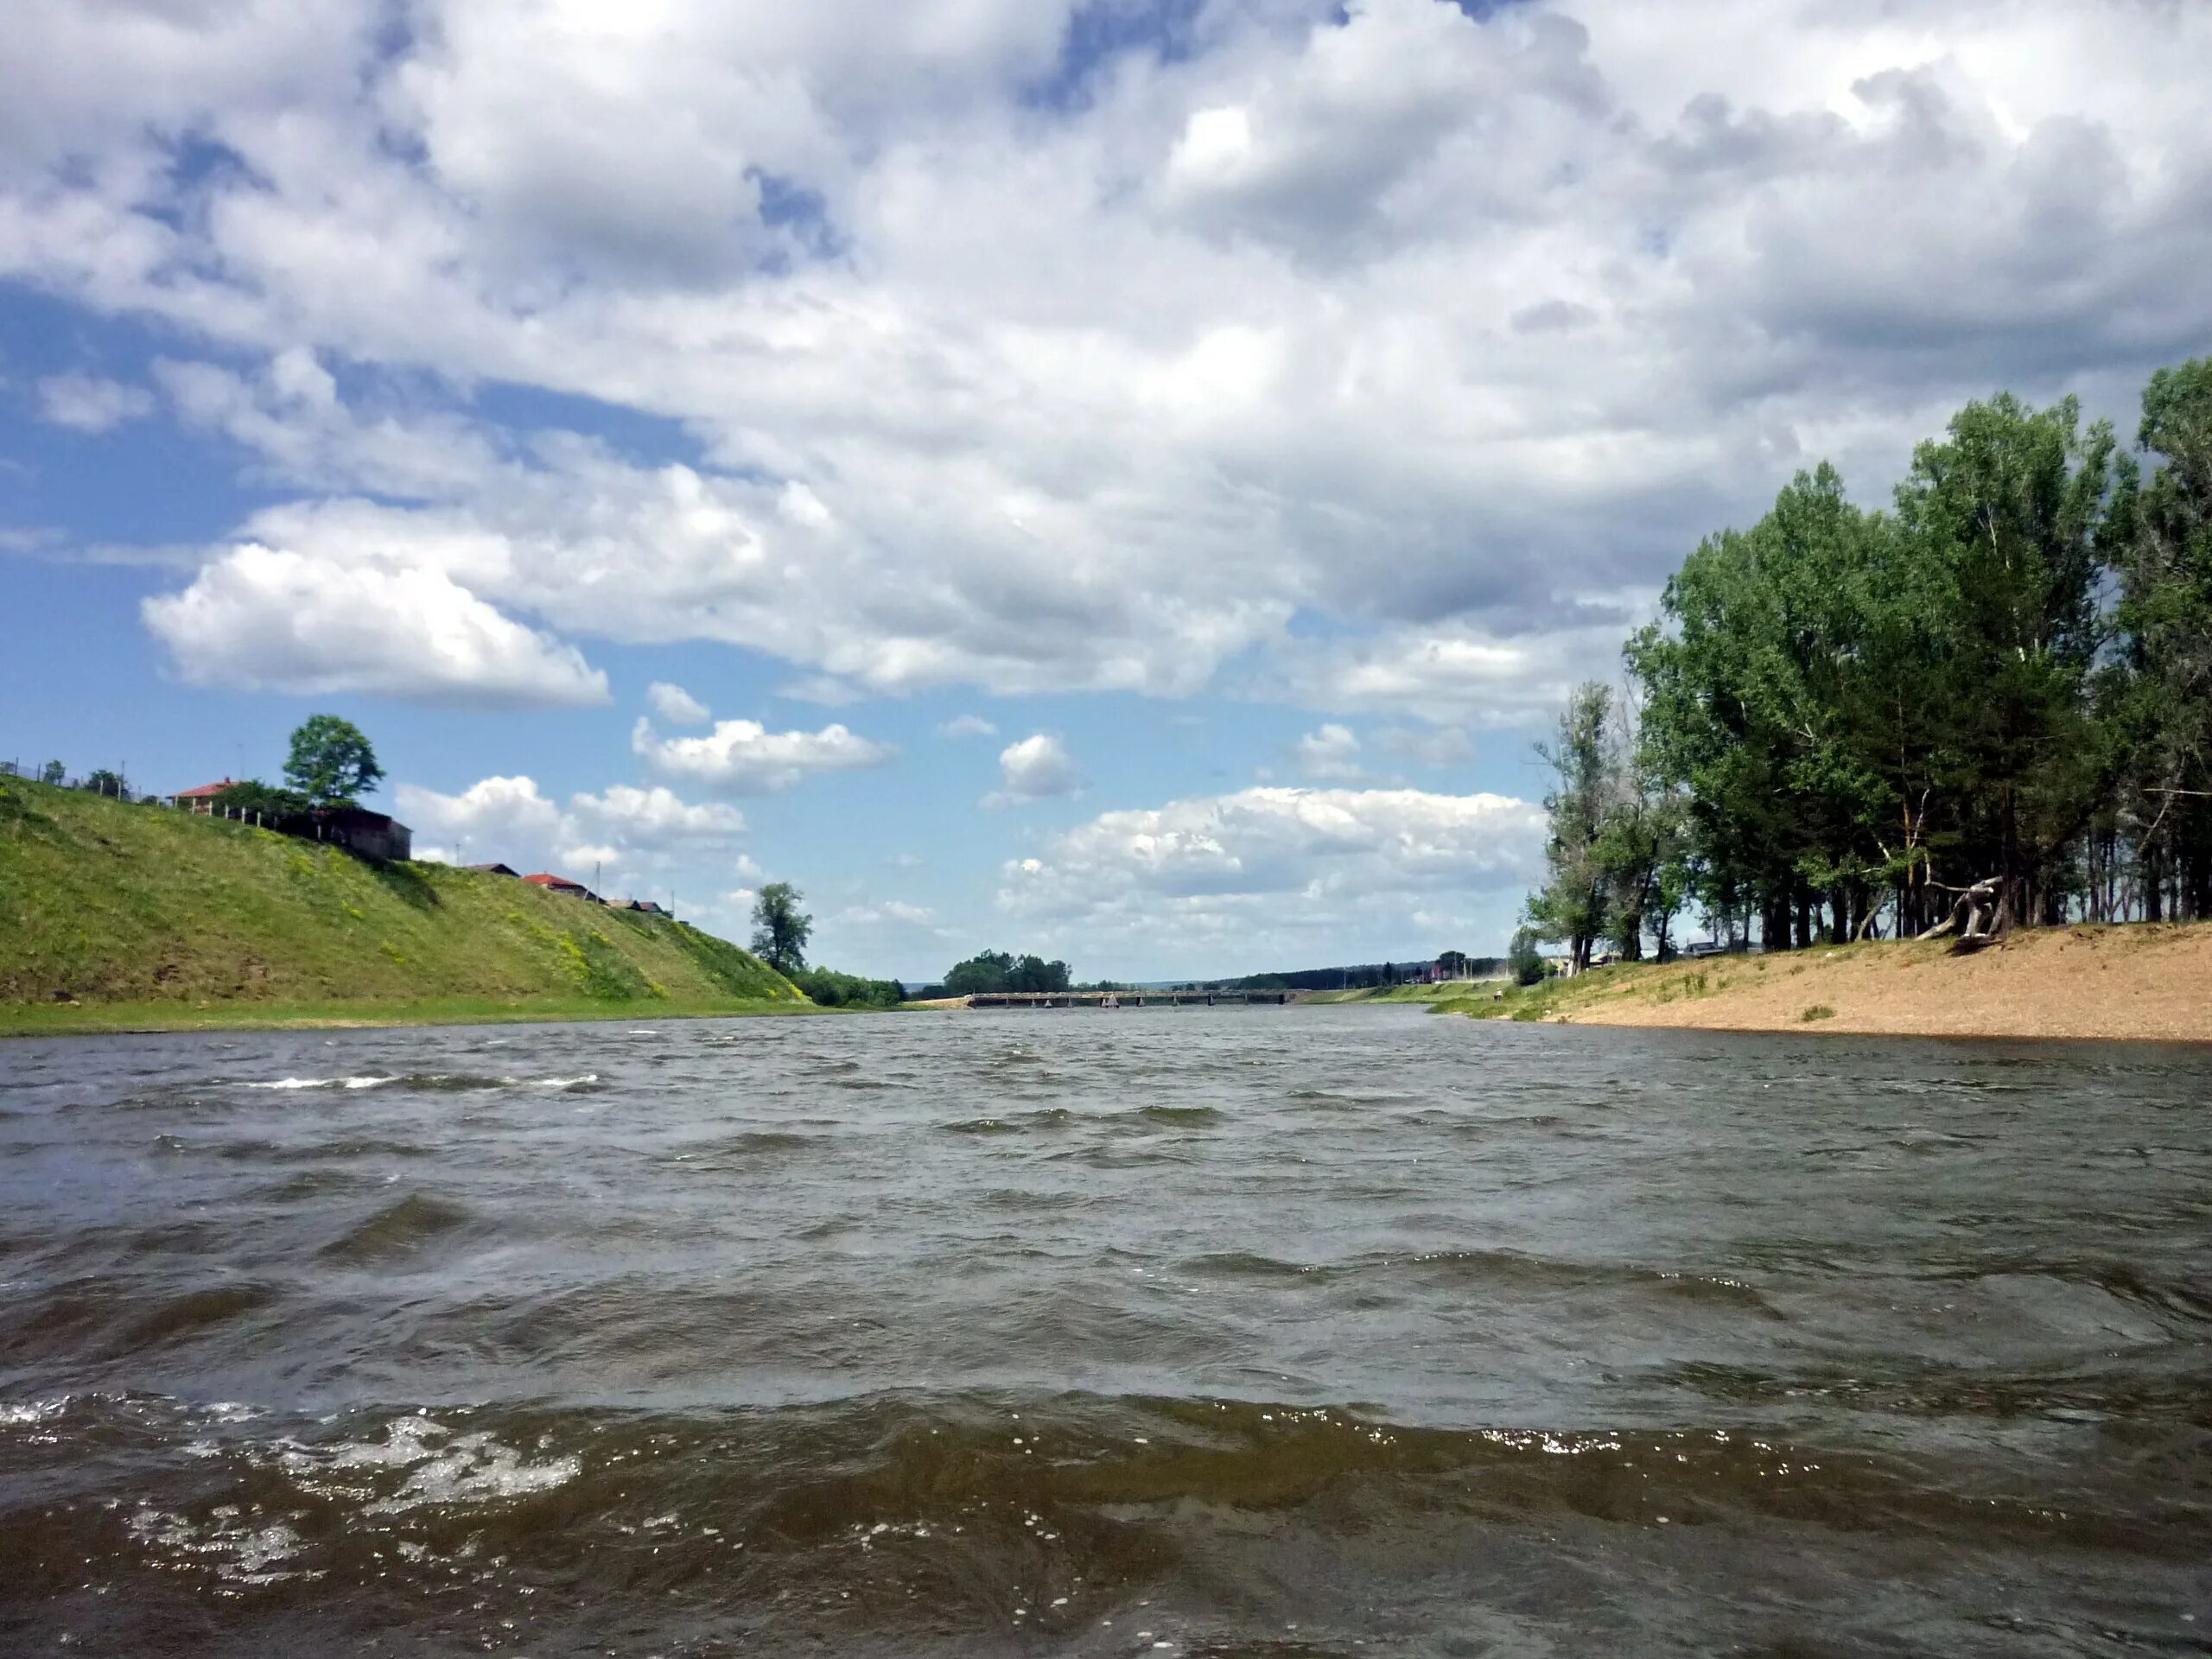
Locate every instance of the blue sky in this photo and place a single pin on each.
(1127, 479)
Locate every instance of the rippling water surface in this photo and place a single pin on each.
(1267, 1332)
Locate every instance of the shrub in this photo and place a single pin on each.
(828, 989)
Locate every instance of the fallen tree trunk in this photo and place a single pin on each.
(1975, 914)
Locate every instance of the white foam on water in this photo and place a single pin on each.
(568, 1082)
(233, 1547)
(21, 1413)
(323, 1082)
(442, 1468)
(477, 1469)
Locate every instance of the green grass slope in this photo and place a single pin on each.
(114, 914)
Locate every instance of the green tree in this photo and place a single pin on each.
(831, 989)
(2009, 506)
(995, 972)
(1572, 906)
(331, 763)
(1794, 692)
(2159, 692)
(1524, 959)
(52, 773)
(987, 972)
(104, 781)
(780, 929)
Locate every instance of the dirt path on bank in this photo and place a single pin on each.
(2142, 981)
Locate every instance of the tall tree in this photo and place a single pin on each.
(1572, 905)
(331, 763)
(2009, 507)
(780, 929)
(2161, 690)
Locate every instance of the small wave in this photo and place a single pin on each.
(323, 1082)
(430, 1082)
(1051, 1117)
(195, 1311)
(397, 1228)
(1181, 1116)
(1242, 1264)
(742, 1148)
(313, 1184)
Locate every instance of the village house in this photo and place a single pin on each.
(560, 884)
(364, 833)
(359, 831)
(492, 869)
(201, 799)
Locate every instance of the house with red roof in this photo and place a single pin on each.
(201, 799)
(560, 884)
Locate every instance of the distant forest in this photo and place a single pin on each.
(1994, 697)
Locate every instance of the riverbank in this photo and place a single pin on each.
(2144, 981)
(85, 1019)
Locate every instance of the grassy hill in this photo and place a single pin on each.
(115, 915)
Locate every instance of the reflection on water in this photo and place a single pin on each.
(1267, 1332)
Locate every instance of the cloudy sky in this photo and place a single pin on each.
(1122, 478)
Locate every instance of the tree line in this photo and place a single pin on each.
(991, 972)
(1843, 718)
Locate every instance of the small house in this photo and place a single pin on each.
(559, 884)
(201, 799)
(363, 833)
(492, 869)
(644, 906)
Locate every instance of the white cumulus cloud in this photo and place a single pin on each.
(268, 619)
(633, 837)
(743, 757)
(675, 705)
(1035, 769)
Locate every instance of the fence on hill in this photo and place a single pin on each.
(98, 781)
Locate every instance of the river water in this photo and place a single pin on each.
(1281, 1331)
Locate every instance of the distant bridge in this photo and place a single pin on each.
(1123, 999)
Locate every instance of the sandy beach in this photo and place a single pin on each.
(2144, 981)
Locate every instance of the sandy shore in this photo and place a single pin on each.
(2144, 981)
